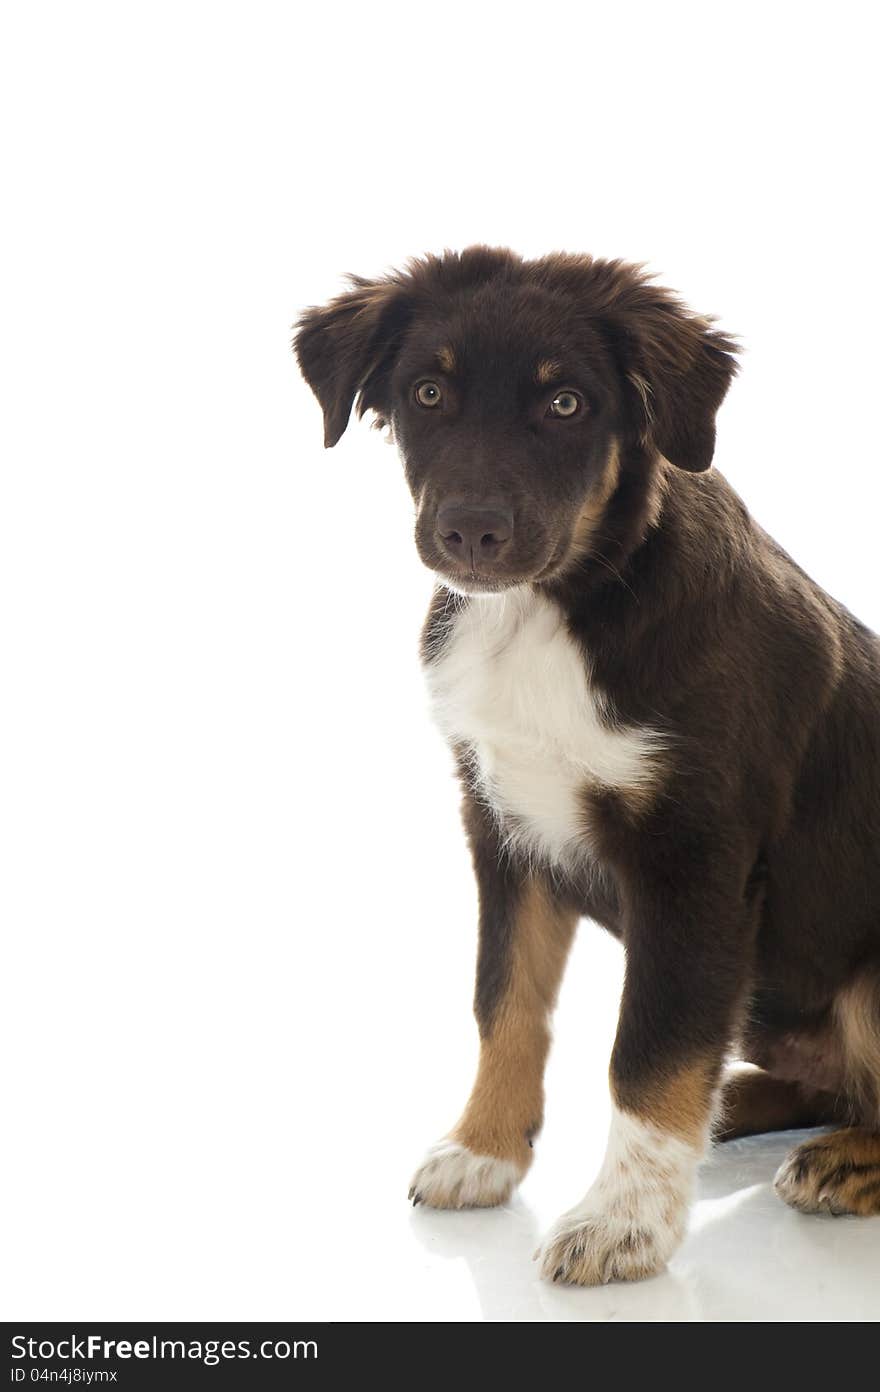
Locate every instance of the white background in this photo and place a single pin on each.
(237, 909)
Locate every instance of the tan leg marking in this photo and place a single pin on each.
(681, 1105)
(835, 1173)
(506, 1106)
(488, 1151)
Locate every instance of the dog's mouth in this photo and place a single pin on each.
(480, 581)
(473, 583)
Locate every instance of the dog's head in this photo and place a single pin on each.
(516, 391)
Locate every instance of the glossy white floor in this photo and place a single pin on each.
(747, 1256)
(360, 1252)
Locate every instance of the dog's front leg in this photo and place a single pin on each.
(687, 958)
(525, 934)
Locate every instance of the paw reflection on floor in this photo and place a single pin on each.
(747, 1255)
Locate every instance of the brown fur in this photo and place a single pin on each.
(681, 1105)
(746, 888)
(856, 1014)
(546, 371)
(834, 1173)
(506, 1107)
(590, 517)
(754, 1101)
(446, 359)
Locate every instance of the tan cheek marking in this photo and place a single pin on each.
(593, 511)
(507, 1102)
(547, 371)
(680, 1105)
(446, 359)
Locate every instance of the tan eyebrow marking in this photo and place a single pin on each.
(547, 371)
(446, 359)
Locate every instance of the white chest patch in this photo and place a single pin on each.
(513, 687)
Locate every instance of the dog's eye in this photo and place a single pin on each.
(565, 403)
(428, 394)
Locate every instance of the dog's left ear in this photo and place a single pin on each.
(677, 368)
(346, 349)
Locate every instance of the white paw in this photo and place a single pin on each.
(591, 1249)
(451, 1176)
(634, 1216)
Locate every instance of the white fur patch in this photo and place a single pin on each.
(511, 684)
(451, 1176)
(633, 1217)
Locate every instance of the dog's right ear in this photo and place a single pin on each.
(346, 349)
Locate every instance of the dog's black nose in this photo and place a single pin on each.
(472, 534)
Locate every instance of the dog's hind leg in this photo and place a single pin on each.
(840, 1172)
(525, 935)
(754, 1102)
(837, 1172)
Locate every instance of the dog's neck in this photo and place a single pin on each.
(656, 597)
(631, 513)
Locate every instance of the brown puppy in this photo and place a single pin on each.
(660, 721)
